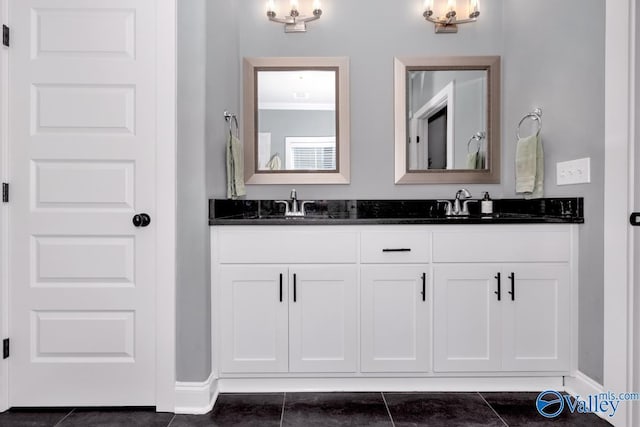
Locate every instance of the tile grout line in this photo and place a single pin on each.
(171, 421)
(284, 399)
(491, 407)
(64, 418)
(386, 405)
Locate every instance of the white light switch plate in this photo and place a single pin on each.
(574, 171)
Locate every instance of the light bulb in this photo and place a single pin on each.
(451, 5)
(428, 5)
(474, 5)
(270, 6)
(316, 5)
(294, 5)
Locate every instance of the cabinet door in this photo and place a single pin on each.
(395, 319)
(322, 313)
(466, 321)
(253, 319)
(536, 318)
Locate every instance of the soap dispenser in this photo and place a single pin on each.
(486, 205)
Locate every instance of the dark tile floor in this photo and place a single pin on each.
(320, 409)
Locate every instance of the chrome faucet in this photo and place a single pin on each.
(294, 208)
(455, 208)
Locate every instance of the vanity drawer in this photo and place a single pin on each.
(532, 245)
(279, 246)
(394, 247)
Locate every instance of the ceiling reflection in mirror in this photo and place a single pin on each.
(446, 119)
(296, 120)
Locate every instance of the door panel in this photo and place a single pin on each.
(322, 312)
(536, 319)
(466, 318)
(254, 319)
(395, 319)
(82, 154)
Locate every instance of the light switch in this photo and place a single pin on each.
(574, 171)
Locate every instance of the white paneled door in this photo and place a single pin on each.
(82, 134)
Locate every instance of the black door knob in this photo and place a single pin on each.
(141, 220)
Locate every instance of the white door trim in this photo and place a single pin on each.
(618, 200)
(166, 205)
(4, 226)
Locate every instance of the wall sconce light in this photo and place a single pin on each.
(449, 22)
(294, 22)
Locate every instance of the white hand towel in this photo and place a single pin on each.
(472, 160)
(530, 167)
(274, 163)
(235, 168)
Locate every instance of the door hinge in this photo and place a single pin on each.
(5, 192)
(5, 35)
(5, 348)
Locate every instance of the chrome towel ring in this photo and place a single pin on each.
(536, 116)
(478, 137)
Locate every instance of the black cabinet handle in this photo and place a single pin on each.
(512, 276)
(280, 287)
(498, 292)
(295, 285)
(424, 287)
(141, 220)
(396, 250)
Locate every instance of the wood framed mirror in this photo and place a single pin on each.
(447, 120)
(296, 120)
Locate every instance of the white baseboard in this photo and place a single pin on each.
(267, 385)
(199, 397)
(196, 397)
(582, 385)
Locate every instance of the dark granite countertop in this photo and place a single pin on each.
(567, 210)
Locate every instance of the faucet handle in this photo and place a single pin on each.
(448, 207)
(303, 204)
(465, 207)
(286, 206)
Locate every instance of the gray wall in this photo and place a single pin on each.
(192, 297)
(552, 60)
(560, 68)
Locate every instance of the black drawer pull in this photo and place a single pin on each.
(295, 286)
(396, 250)
(512, 276)
(280, 287)
(424, 287)
(498, 292)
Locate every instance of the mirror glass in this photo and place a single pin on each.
(296, 120)
(447, 117)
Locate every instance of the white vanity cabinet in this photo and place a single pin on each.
(276, 317)
(395, 300)
(513, 315)
(364, 307)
